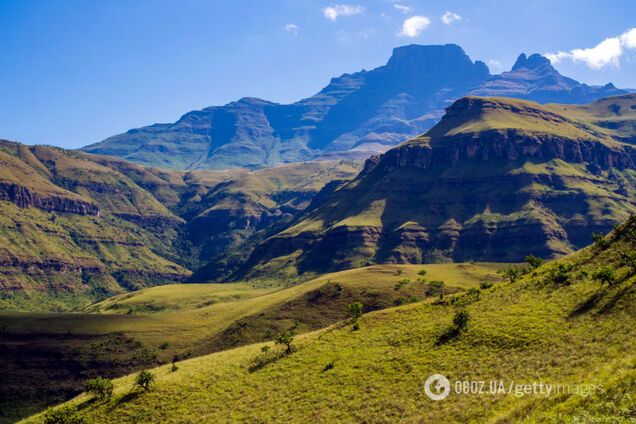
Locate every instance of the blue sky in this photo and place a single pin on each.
(73, 72)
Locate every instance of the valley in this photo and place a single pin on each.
(432, 220)
(152, 326)
(556, 323)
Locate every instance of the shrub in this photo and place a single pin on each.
(265, 349)
(629, 260)
(355, 310)
(399, 271)
(400, 284)
(435, 288)
(145, 380)
(485, 285)
(605, 275)
(63, 415)
(174, 367)
(560, 275)
(600, 240)
(460, 321)
(286, 338)
(421, 272)
(533, 261)
(102, 388)
(512, 273)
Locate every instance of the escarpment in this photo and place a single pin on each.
(495, 180)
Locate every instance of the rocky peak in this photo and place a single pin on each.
(448, 62)
(534, 61)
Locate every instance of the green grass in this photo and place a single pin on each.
(522, 332)
(189, 320)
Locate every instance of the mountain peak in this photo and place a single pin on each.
(416, 53)
(531, 62)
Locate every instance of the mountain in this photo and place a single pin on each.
(556, 345)
(78, 227)
(367, 111)
(534, 78)
(73, 230)
(494, 180)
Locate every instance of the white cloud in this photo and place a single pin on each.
(293, 28)
(333, 12)
(450, 17)
(403, 8)
(494, 64)
(606, 53)
(414, 26)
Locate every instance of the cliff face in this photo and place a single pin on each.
(25, 198)
(495, 180)
(73, 231)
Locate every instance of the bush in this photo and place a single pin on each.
(600, 240)
(355, 309)
(63, 415)
(174, 367)
(460, 321)
(286, 338)
(533, 261)
(399, 271)
(435, 288)
(605, 275)
(485, 285)
(421, 272)
(145, 380)
(102, 388)
(560, 275)
(512, 273)
(629, 260)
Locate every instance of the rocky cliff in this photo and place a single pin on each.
(495, 180)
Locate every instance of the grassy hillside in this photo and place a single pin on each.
(77, 227)
(73, 231)
(496, 179)
(154, 325)
(558, 324)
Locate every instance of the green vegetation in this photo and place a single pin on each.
(102, 388)
(145, 379)
(176, 322)
(521, 332)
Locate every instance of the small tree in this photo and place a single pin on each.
(561, 275)
(63, 415)
(512, 273)
(533, 261)
(355, 310)
(460, 321)
(102, 388)
(600, 240)
(605, 275)
(629, 259)
(145, 380)
(286, 338)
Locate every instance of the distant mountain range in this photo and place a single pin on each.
(368, 111)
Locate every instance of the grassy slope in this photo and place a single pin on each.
(189, 320)
(526, 331)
